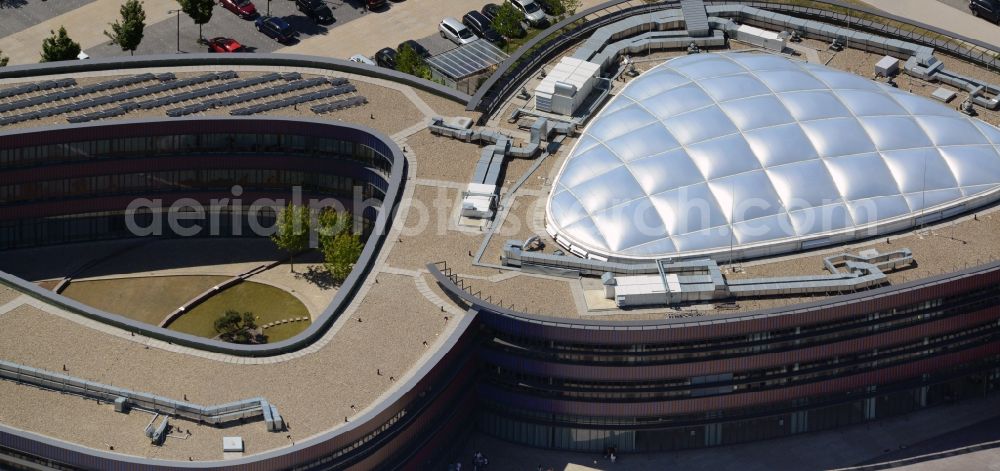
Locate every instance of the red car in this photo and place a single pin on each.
(244, 8)
(224, 45)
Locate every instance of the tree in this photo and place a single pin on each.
(560, 8)
(409, 62)
(293, 231)
(235, 327)
(3, 59)
(340, 255)
(128, 33)
(553, 7)
(508, 21)
(331, 225)
(570, 6)
(59, 47)
(199, 10)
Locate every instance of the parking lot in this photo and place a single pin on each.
(162, 37)
(16, 15)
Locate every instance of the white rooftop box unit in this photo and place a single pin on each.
(232, 444)
(566, 86)
(761, 37)
(478, 201)
(887, 66)
(645, 290)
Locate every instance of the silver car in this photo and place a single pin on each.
(455, 31)
(532, 12)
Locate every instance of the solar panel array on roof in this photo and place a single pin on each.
(103, 100)
(36, 86)
(293, 100)
(467, 60)
(340, 104)
(249, 96)
(210, 90)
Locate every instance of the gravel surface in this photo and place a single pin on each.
(532, 294)
(390, 335)
(429, 227)
(388, 338)
(7, 294)
(439, 158)
(444, 106)
(525, 219)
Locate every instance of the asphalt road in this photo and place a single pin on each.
(16, 15)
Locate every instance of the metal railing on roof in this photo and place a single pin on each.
(520, 65)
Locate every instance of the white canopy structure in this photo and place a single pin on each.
(747, 155)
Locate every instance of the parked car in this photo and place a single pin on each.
(989, 9)
(490, 11)
(386, 57)
(532, 12)
(375, 4)
(420, 50)
(481, 27)
(316, 10)
(360, 59)
(276, 28)
(221, 44)
(243, 8)
(455, 31)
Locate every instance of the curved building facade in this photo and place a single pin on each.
(651, 386)
(74, 183)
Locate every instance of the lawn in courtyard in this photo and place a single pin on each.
(146, 299)
(267, 303)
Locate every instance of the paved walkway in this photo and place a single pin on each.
(85, 25)
(935, 13)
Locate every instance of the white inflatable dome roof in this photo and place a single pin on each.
(766, 155)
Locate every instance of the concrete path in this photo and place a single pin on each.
(85, 25)
(935, 13)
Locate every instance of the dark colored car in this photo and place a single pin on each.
(276, 28)
(420, 50)
(489, 11)
(243, 8)
(375, 4)
(480, 26)
(386, 57)
(315, 9)
(989, 9)
(221, 44)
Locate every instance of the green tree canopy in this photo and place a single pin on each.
(333, 224)
(3, 59)
(409, 62)
(556, 7)
(199, 10)
(292, 233)
(235, 327)
(560, 8)
(59, 47)
(128, 32)
(508, 21)
(340, 255)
